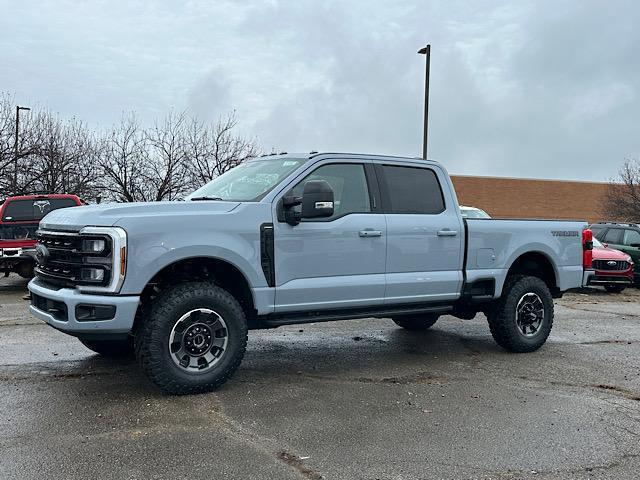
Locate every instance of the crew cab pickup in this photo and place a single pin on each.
(288, 239)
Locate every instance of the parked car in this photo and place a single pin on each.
(291, 239)
(621, 236)
(613, 268)
(19, 218)
(473, 212)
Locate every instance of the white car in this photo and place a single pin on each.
(473, 212)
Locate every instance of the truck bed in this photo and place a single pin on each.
(492, 245)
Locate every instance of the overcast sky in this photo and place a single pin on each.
(547, 89)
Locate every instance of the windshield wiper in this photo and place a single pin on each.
(196, 199)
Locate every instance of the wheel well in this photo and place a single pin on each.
(536, 264)
(220, 272)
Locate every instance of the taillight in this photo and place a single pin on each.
(587, 248)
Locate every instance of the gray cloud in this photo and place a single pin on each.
(545, 89)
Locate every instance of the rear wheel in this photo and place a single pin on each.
(416, 322)
(522, 319)
(192, 339)
(613, 288)
(110, 348)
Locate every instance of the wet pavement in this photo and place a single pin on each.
(358, 399)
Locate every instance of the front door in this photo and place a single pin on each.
(336, 262)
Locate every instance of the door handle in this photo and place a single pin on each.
(370, 233)
(447, 233)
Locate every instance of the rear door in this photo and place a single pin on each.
(425, 234)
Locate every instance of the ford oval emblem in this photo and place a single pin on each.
(612, 263)
(42, 254)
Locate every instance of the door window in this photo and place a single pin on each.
(413, 190)
(631, 237)
(349, 185)
(614, 236)
(597, 232)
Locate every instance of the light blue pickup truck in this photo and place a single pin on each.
(287, 239)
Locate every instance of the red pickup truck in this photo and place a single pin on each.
(19, 219)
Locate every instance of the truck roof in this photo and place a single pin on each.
(313, 154)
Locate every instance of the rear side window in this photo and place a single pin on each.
(413, 190)
(614, 236)
(25, 210)
(631, 237)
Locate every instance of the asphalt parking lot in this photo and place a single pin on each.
(357, 399)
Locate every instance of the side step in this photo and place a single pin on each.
(349, 314)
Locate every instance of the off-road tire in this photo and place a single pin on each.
(503, 321)
(110, 348)
(614, 288)
(416, 323)
(152, 337)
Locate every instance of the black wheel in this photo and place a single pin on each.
(192, 339)
(612, 288)
(110, 348)
(25, 269)
(522, 319)
(417, 322)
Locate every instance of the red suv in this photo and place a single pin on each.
(19, 219)
(614, 269)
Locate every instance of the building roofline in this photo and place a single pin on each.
(525, 179)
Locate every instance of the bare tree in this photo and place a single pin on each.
(14, 181)
(168, 176)
(214, 149)
(622, 200)
(64, 158)
(128, 163)
(123, 162)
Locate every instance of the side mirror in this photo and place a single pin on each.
(291, 214)
(317, 199)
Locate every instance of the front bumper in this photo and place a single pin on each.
(18, 256)
(606, 277)
(58, 309)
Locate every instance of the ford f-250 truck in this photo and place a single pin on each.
(289, 239)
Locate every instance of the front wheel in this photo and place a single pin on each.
(417, 322)
(192, 339)
(522, 319)
(614, 288)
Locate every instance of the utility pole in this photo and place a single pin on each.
(426, 51)
(16, 153)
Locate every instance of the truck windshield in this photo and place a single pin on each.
(248, 182)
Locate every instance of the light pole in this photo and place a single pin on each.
(426, 51)
(15, 161)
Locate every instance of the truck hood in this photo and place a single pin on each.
(108, 214)
(609, 254)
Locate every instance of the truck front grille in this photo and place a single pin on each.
(610, 265)
(61, 260)
(61, 266)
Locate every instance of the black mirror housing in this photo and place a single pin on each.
(317, 199)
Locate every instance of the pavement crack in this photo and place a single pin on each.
(618, 390)
(297, 464)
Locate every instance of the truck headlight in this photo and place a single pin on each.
(92, 274)
(93, 245)
(104, 259)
